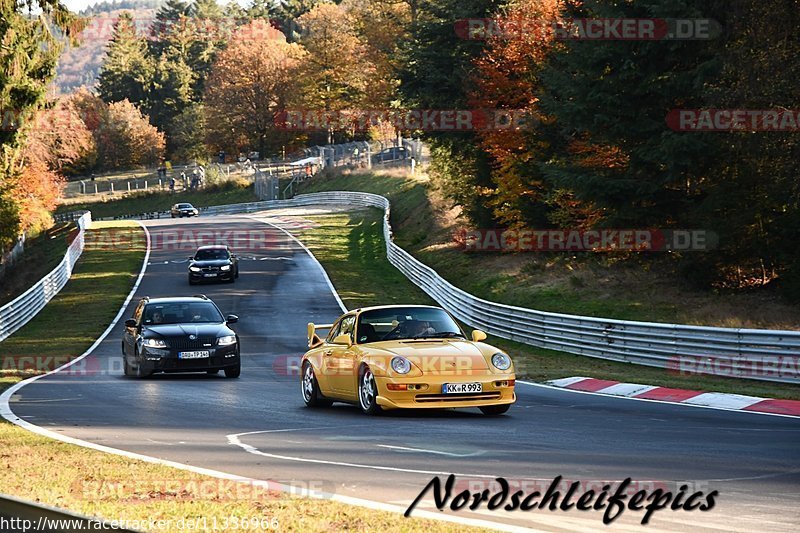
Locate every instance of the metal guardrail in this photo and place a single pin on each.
(20, 515)
(22, 309)
(757, 354)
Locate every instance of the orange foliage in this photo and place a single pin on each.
(505, 78)
(36, 189)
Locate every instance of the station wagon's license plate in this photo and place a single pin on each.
(194, 355)
(461, 388)
(209, 275)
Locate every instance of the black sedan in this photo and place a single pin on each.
(186, 334)
(213, 263)
(183, 210)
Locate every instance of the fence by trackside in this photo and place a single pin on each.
(23, 308)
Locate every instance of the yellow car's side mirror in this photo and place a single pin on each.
(343, 339)
(478, 335)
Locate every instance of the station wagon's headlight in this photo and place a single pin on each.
(194, 269)
(155, 343)
(227, 340)
(225, 268)
(501, 361)
(401, 365)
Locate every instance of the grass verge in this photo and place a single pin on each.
(93, 483)
(350, 247)
(227, 192)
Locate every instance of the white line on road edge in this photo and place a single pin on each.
(8, 414)
(682, 404)
(311, 255)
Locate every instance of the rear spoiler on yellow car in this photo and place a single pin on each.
(313, 339)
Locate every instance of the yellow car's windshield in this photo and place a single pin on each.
(401, 323)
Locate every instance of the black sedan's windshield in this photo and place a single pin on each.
(406, 323)
(181, 313)
(211, 255)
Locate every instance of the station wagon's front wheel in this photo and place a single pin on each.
(368, 392)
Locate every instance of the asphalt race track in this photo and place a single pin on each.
(257, 426)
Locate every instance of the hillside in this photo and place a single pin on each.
(80, 65)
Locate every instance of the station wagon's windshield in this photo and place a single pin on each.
(406, 323)
(181, 313)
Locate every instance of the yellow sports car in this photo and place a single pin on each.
(403, 356)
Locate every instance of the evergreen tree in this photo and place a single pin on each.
(169, 18)
(127, 71)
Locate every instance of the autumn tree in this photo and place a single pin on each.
(336, 73)
(123, 135)
(252, 81)
(28, 58)
(60, 139)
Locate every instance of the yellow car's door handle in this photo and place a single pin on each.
(328, 353)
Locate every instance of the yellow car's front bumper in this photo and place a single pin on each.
(497, 389)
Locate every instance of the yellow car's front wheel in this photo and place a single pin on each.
(310, 388)
(495, 410)
(368, 392)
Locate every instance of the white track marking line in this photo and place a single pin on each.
(235, 440)
(566, 382)
(729, 401)
(573, 391)
(435, 452)
(627, 389)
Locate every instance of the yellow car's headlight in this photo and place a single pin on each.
(501, 361)
(401, 365)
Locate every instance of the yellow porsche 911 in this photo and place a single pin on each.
(401, 356)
